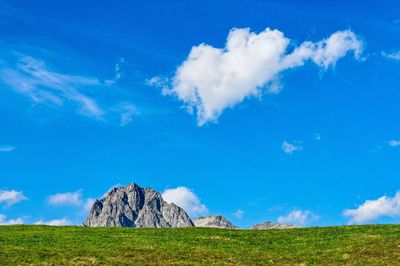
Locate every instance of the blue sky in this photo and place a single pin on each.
(296, 123)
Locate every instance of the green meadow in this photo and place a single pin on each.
(350, 245)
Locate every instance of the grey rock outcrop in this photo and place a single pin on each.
(271, 225)
(217, 221)
(133, 206)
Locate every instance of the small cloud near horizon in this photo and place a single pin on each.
(298, 217)
(88, 204)
(11, 197)
(56, 222)
(67, 198)
(4, 221)
(372, 210)
(186, 199)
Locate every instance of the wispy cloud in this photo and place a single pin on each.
(394, 55)
(67, 198)
(300, 217)
(160, 82)
(238, 214)
(55, 222)
(7, 148)
(118, 72)
(394, 143)
(127, 112)
(11, 197)
(291, 147)
(33, 78)
(371, 210)
(186, 199)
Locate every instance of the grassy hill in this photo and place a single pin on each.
(32, 244)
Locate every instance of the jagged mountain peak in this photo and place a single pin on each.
(134, 206)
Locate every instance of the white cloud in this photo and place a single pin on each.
(88, 204)
(21, 220)
(213, 79)
(33, 78)
(127, 112)
(72, 199)
(238, 214)
(56, 222)
(118, 72)
(394, 56)
(186, 199)
(394, 143)
(67, 198)
(160, 82)
(4, 221)
(318, 136)
(299, 217)
(7, 148)
(371, 210)
(36, 80)
(290, 147)
(326, 52)
(11, 197)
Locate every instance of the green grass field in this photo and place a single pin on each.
(45, 245)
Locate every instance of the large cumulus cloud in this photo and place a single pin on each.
(212, 79)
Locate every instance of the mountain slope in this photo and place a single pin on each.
(271, 225)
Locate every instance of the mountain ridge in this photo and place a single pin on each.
(216, 221)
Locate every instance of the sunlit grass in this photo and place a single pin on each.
(360, 245)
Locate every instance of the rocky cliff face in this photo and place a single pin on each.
(133, 206)
(271, 225)
(217, 221)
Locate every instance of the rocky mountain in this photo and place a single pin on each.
(133, 206)
(217, 221)
(271, 225)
